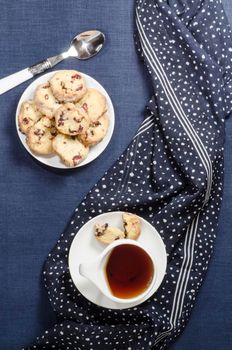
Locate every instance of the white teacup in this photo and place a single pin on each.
(95, 271)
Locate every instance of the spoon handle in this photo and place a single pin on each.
(46, 64)
(15, 79)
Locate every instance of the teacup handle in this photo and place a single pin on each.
(90, 271)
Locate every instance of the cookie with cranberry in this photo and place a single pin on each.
(68, 86)
(45, 100)
(107, 234)
(28, 116)
(40, 136)
(71, 120)
(70, 149)
(94, 104)
(132, 225)
(96, 131)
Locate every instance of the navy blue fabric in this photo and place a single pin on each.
(37, 202)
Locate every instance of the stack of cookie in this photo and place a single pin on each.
(64, 118)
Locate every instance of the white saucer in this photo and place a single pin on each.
(85, 247)
(95, 151)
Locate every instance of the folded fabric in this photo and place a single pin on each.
(171, 174)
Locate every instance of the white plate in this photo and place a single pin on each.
(54, 160)
(86, 247)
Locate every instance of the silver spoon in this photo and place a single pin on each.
(83, 46)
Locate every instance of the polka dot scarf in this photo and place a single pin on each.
(171, 174)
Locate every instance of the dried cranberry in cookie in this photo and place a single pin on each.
(40, 136)
(45, 101)
(68, 86)
(94, 103)
(96, 132)
(28, 116)
(71, 120)
(70, 149)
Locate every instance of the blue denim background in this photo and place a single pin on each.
(37, 202)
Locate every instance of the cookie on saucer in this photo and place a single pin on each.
(94, 104)
(40, 136)
(70, 149)
(68, 86)
(132, 225)
(71, 120)
(45, 100)
(107, 234)
(28, 116)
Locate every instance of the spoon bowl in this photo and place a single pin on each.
(86, 45)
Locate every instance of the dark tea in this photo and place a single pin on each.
(129, 271)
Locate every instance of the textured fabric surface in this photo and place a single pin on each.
(37, 202)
